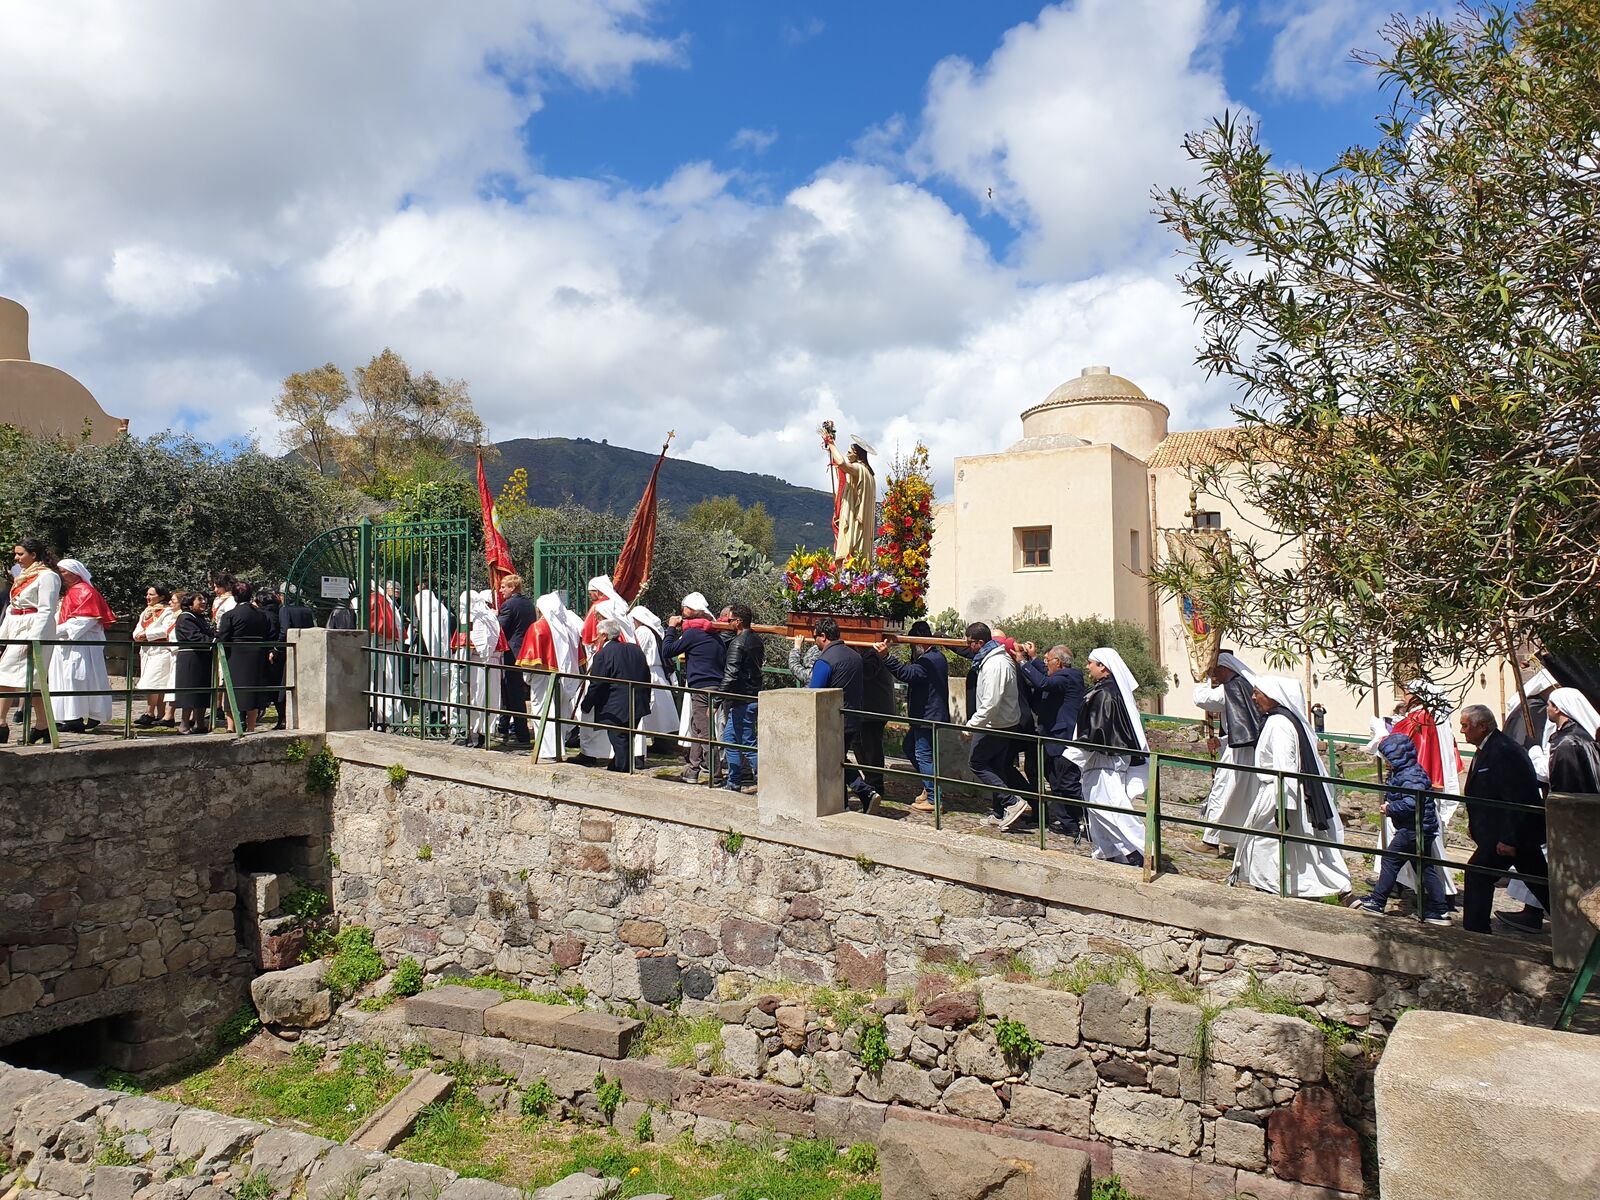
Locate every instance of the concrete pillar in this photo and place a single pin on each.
(800, 743)
(330, 673)
(1470, 1108)
(1574, 841)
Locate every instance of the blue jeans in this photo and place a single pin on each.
(918, 748)
(1404, 842)
(740, 728)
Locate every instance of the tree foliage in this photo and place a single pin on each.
(402, 428)
(752, 525)
(164, 508)
(1413, 331)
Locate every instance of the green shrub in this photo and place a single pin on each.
(1018, 1045)
(296, 751)
(398, 774)
(407, 979)
(861, 1159)
(607, 1096)
(425, 853)
(644, 1130)
(538, 1099)
(305, 903)
(355, 962)
(731, 841)
(874, 1047)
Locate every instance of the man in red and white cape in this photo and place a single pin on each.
(553, 643)
(82, 619)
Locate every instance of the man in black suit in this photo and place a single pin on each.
(610, 696)
(1505, 838)
(516, 618)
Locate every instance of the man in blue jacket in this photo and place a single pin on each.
(704, 653)
(927, 680)
(1055, 689)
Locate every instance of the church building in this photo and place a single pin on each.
(1066, 520)
(45, 401)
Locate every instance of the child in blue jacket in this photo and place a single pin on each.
(1406, 785)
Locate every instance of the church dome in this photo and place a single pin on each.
(1098, 406)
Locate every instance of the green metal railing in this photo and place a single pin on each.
(567, 567)
(1157, 813)
(220, 696)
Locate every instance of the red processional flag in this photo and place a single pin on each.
(633, 564)
(494, 542)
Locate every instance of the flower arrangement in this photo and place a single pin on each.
(895, 585)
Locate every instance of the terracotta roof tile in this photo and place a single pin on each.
(1193, 447)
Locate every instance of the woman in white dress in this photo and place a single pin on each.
(158, 660)
(662, 719)
(80, 688)
(1118, 776)
(30, 617)
(1288, 743)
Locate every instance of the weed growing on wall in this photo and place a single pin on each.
(305, 903)
(425, 853)
(607, 1096)
(296, 751)
(398, 775)
(538, 1099)
(1018, 1045)
(730, 841)
(407, 979)
(874, 1047)
(322, 772)
(644, 1129)
(238, 1028)
(355, 962)
(255, 1186)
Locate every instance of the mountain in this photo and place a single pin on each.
(606, 478)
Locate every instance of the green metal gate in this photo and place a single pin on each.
(568, 566)
(407, 580)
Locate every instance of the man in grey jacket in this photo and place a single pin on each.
(996, 713)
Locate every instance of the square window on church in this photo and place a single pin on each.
(1208, 520)
(1033, 549)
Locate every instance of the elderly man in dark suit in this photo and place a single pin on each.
(516, 618)
(611, 697)
(1505, 838)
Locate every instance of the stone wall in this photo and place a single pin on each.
(118, 885)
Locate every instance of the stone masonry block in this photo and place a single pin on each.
(566, 1073)
(1174, 1027)
(1051, 1016)
(1277, 1045)
(1113, 1016)
(597, 1033)
(453, 1006)
(1145, 1173)
(525, 1021)
(1141, 1119)
(925, 1161)
(391, 1124)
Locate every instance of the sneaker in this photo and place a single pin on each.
(871, 803)
(689, 776)
(1440, 919)
(1069, 829)
(748, 789)
(1367, 906)
(1014, 812)
(1521, 922)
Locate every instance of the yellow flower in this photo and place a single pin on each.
(634, 1171)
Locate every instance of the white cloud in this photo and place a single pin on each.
(1312, 50)
(796, 30)
(1074, 119)
(207, 202)
(757, 141)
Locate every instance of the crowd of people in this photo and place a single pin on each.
(52, 617)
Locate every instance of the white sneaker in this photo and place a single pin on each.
(1015, 811)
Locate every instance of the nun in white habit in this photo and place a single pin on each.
(432, 629)
(1120, 775)
(565, 633)
(1288, 743)
(593, 743)
(663, 715)
(1228, 698)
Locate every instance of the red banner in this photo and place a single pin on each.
(633, 564)
(494, 542)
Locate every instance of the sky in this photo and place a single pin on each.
(619, 217)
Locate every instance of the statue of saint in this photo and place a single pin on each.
(855, 498)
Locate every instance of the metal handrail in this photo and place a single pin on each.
(1155, 815)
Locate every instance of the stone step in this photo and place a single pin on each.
(480, 1011)
(393, 1123)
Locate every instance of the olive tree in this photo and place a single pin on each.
(1413, 332)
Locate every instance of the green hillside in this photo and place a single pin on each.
(606, 478)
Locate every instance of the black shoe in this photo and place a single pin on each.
(5, 734)
(73, 726)
(38, 735)
(90, 724)
(167, 723)
(1521, 922)
(16, 717)
(144, 721)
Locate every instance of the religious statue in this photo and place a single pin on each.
(855, 497)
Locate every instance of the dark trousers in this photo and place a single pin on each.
(1066, 781)
(621, 750)
(854, 780)
(1401, 846)
(514, 695)
(869, 752)
(1477, 899)
(993, 759)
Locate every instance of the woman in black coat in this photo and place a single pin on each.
(267, 601)
(194, 635)
(240, 633)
